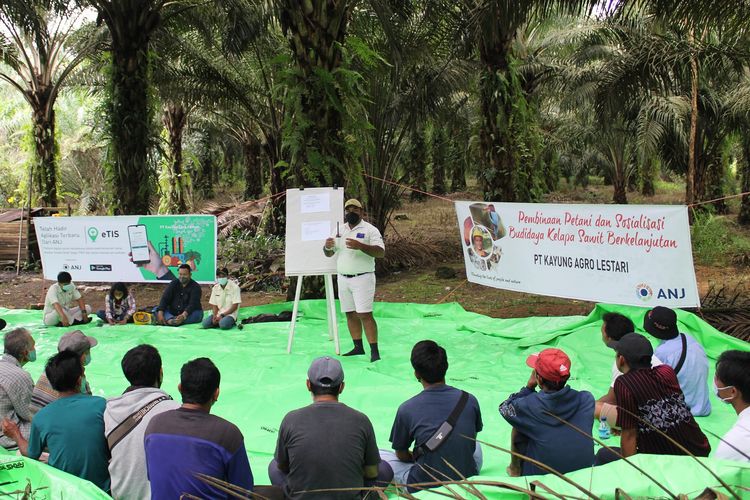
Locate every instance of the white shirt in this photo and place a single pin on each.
(739, 437)
(352, 261)
(225, 297)
(56, 295)
(616, 373)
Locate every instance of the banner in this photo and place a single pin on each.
(127, 248)
(621, 254)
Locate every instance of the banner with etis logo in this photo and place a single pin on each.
(128, 248)
(622, 254)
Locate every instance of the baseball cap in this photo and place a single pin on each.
(2, 323)
(661, 322)
(325, 372)
(550, 364)
(76, 341)
(633, 346)
(352, 202)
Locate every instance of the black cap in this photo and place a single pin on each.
(2, 323)
(661, 322)
(633, 346)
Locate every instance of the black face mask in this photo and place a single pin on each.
(352, 218)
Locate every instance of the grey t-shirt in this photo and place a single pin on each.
(326, 445)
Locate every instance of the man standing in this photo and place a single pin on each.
(327, 444)
(72, 428)
(126, 418)
(536, 432)
(421, 420)
(76, 342)
(650, 399)
(225, 301)
(16, 385)
(684, 354)
(181, 301)
(189, 440)
(732, 385)
(59, 308)
(363, 244)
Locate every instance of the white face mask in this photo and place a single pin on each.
(717, 389)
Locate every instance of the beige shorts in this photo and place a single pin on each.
(357, 293)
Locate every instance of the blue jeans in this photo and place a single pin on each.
(225, 323)
(194, 317)
(385, 475)
(401, 469)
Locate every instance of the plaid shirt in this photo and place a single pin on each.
(16, 386)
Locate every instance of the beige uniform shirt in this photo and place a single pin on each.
(223, 298)
(56, 295)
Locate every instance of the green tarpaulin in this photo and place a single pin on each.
(261, 382)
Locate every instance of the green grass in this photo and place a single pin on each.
(718, 240)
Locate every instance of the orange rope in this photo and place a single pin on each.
(719, 199)
(410, 188)
(451, 292)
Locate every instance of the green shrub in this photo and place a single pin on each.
(717, 240)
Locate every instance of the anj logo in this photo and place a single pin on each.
(644, 292)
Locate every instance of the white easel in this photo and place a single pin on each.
(313, 214)
(333, 327)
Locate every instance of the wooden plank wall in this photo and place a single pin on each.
(9, 242)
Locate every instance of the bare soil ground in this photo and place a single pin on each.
(434, 222)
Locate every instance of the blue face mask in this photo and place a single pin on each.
(83, 385)
(223, 281)
(32, 355)
(87, 359)
(68, 288)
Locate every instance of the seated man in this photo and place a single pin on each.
(614, 326)
(419, 419)
(189, 440)
(76, 342)
(181, 301)
(684, 354)
(71, 428)
(536, 432)
(648, 399)
(225, 301)
(732, 385)
(142, 367)
(59, 304)
(16, 385)
(327, 444)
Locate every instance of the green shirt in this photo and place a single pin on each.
(72, 428)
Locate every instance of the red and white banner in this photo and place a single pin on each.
(621, 254)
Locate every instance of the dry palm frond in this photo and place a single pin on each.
(406, 252)
(728, 310)
(236, 216)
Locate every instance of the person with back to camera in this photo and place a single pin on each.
(356, 276)
(59, 303)
(16, 384)
(119, 305)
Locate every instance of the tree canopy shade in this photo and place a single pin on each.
(37, 49)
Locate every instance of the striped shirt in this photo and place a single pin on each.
(117, 310)
(16, 386)
(654, 396)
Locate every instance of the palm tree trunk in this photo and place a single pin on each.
(204, 182)
(690, 178)
(439, 159)
(744, 216)
(418, 164)
(457, 162)
(45, 148)
(649, 171)
(252, 163)
(175, 119)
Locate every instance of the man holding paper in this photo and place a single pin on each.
(362, 244)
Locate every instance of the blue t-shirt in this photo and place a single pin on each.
(72, 428)
(693, 376)
(548, 440)
(417, 420)
(182, 442)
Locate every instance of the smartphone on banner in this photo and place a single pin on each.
(139, 243)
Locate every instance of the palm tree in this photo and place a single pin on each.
(36, 46)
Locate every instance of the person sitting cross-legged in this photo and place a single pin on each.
(651, 408)
(327, 445)
(60, 307)
(188, 441)
(143, 398)
(71, 428)
(181, 301)
(421, 419)
(225, 302)
(732, 386)
(535, 416)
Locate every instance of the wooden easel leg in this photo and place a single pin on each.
(295, 310)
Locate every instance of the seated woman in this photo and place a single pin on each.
(119, 306)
